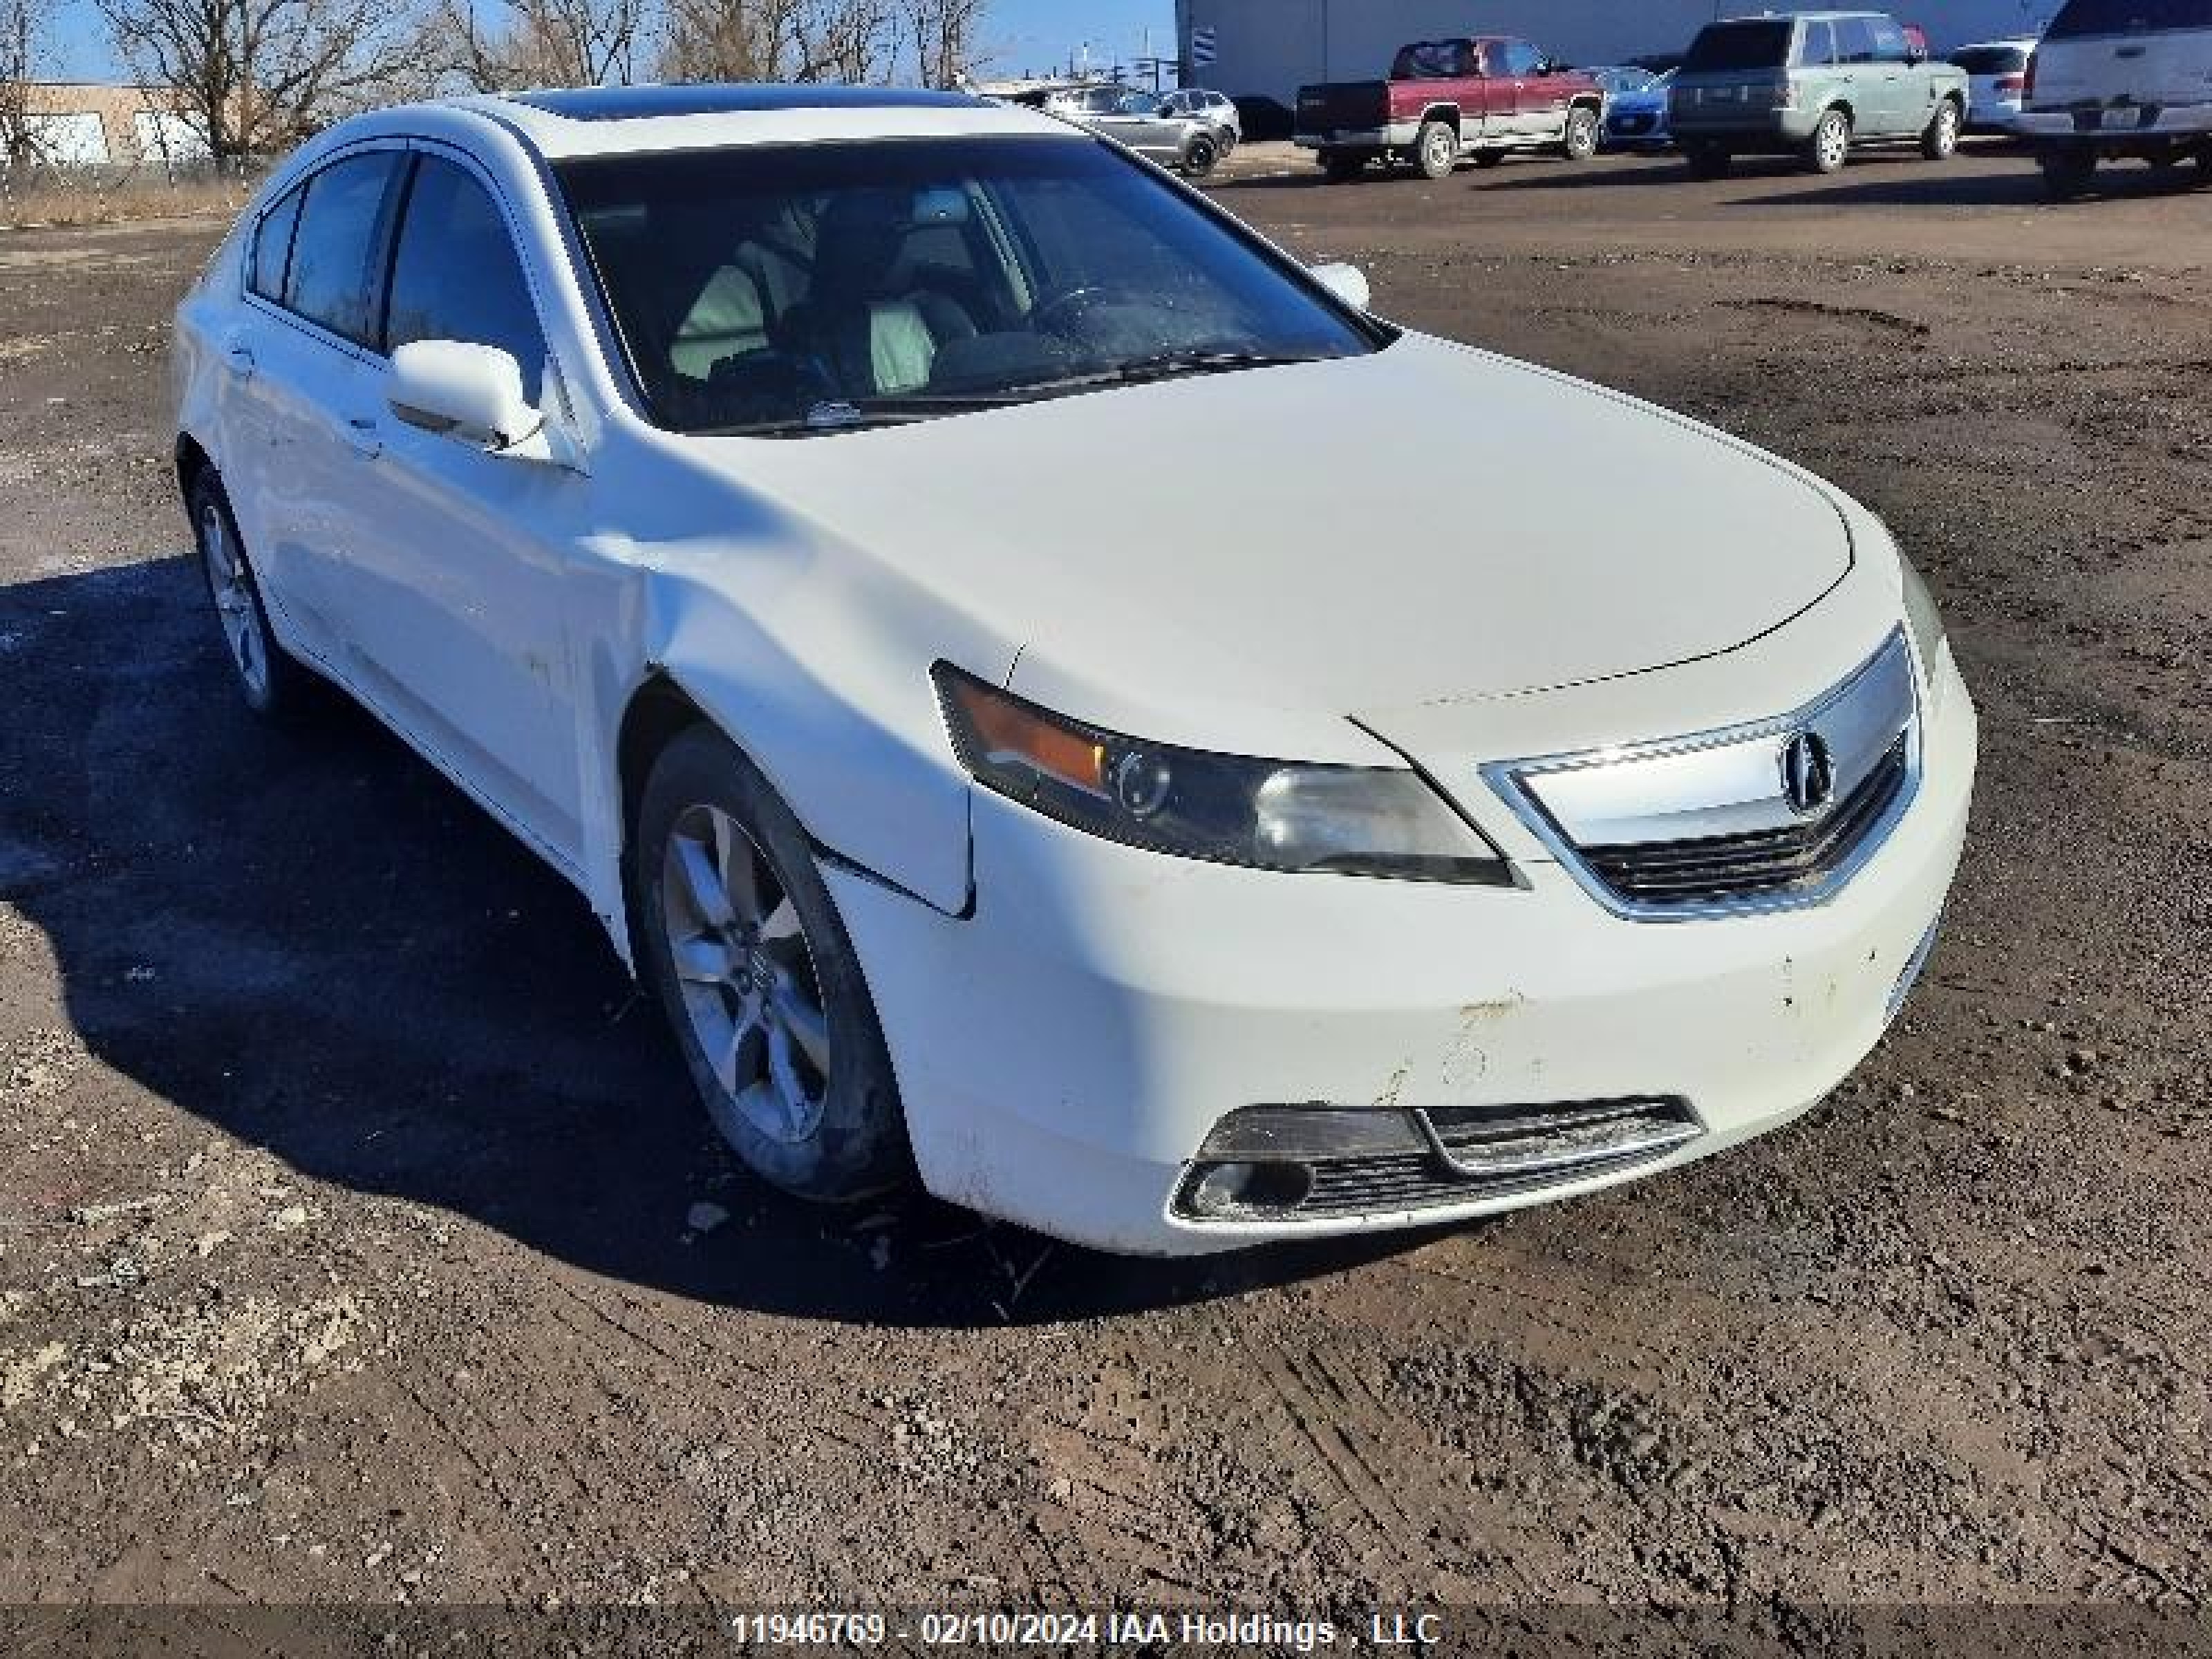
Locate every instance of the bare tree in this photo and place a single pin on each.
(779, 40)
(538, 43)
(943, 36)
(257, 75)
(22, 45)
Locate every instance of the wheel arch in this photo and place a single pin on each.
(191, 460)
(1448, 113)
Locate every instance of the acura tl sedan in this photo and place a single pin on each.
(1550, 791)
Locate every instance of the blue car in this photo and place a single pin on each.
(1635, 108)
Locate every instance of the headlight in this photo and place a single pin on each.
(1921, 620)
(1269, 815)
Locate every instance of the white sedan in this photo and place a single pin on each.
(712, 482)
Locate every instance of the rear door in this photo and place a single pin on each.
(2126, 56)
(297, 364)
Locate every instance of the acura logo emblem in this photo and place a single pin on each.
(1809, 772)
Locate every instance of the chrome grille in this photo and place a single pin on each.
(1725, 822)
(1768, 861)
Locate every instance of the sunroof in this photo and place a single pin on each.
(641, 103)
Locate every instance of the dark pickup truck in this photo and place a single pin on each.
(1447, 101)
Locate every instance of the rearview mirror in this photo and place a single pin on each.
(1347, 282)
(462, 391)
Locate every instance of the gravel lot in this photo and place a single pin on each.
(358, 1240)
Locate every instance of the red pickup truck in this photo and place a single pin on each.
(1446, 101)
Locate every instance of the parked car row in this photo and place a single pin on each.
(2108, 80)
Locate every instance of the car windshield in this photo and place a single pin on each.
(1720, 47)
(1990, 60)
(1619, 81)
(791, 290)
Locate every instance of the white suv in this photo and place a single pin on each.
(685, 471)
(2120, 78)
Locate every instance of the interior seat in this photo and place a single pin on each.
(727, 321)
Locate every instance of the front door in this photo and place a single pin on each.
(457, 583)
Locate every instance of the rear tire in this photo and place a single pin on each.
(1707, 160)
(768, 1008)
(1940, 142)
(1579, 141)
(274, 686)
(2068, 171)
(1435, 151)
(1829, 148)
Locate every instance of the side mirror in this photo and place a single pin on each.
(470, 392)
(1347, 282)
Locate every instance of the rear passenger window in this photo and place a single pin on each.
(272, 246)
(455, 275)
(1855, 41)
(331, 278)
(1817, 48)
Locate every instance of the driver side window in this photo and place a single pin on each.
(455, 275)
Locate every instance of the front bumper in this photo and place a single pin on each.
(1065, 1051)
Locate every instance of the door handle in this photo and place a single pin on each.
(360, 433)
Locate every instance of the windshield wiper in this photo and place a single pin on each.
(904, 409)
(1167, 365)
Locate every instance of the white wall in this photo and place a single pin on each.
(167, 139)
(68, 140)
(1271, 47)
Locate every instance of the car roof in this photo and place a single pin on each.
(561, 124)
(1803, 16)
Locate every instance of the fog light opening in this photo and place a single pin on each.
(1224, 1190)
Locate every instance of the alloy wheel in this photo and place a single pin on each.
(234, 604)
(1833, 142)
(746, 975)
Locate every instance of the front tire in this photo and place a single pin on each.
(274, 686)
(1579, 141)
(1830, 147)
(744, 948)
(1436, 150)
(1199, 158)
(1940, 142)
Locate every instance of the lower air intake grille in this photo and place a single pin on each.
(1309, 1163)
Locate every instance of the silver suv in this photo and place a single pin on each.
(1813, 85)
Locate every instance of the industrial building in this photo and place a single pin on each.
(1269, 48)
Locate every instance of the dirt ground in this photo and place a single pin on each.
(351, 1245)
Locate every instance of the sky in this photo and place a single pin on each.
(1022, 34)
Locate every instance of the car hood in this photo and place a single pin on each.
(1211, 559)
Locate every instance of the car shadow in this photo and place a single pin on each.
(1936, 189)
(309, 940)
